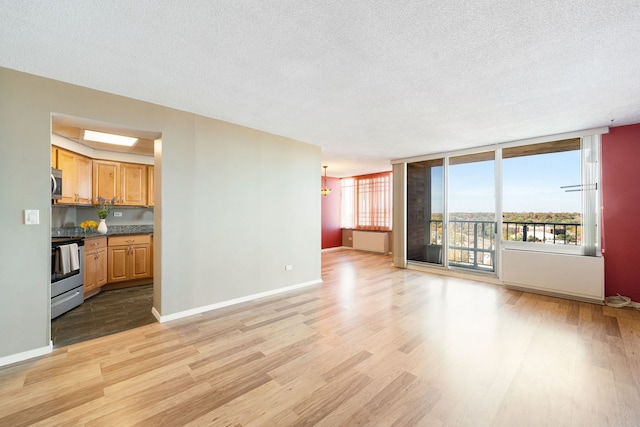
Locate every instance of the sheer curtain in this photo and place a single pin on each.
(367, 202)
(590, 150)
(348, 202)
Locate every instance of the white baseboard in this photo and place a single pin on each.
(203, 309)
(156, 314)
(335, 248)
(30, 354)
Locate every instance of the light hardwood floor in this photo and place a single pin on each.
(373, 345)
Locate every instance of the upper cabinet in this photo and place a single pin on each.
(133, 184)
(76, 176)
(84, 178)
(106, 180)
(127, 182)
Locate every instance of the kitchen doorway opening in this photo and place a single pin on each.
(117, 268)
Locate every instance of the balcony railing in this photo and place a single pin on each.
(543, 232)
(472, 243)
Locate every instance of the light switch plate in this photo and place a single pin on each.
(31, 216)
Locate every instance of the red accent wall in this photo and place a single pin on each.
(621, 211)
(331, 232)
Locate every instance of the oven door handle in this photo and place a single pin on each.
(75, 294)
(54, 184)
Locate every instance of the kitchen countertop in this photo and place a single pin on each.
(114, 230)
(115, 233)
(96, 235)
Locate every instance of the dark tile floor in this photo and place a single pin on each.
(104, 314)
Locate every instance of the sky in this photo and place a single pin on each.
(531, 184)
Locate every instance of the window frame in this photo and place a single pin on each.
(587, 134)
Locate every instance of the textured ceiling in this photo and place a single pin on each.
(368, 81)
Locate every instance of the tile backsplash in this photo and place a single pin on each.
(65, 220)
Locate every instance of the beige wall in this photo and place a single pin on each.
(233, 205)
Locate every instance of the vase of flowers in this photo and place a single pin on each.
(102, 226)
(103, 208)
(89, 226)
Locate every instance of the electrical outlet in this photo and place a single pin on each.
(117, 214)
(288, 267)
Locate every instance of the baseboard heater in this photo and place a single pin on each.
(573, 276)
(372, 241)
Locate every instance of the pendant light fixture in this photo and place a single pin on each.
(325, 191)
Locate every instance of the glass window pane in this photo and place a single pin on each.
(536, 207)
(472, 211)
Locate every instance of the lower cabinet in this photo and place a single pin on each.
(95, 264)
(129, 258)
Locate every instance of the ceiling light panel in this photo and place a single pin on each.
(109, 138)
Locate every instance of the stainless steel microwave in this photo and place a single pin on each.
(56, 184)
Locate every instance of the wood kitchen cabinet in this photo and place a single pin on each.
(95, 264)
(76, 177)
(127, 182)
(133, 184)
(106, 179)
(129, 258)
(150, 183)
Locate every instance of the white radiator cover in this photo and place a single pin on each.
(581, 277)
(372, 241)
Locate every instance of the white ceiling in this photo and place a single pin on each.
(367, 80)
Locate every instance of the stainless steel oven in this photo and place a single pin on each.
(56, 184)
(67, 283)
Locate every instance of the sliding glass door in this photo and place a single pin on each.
(471, 211)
